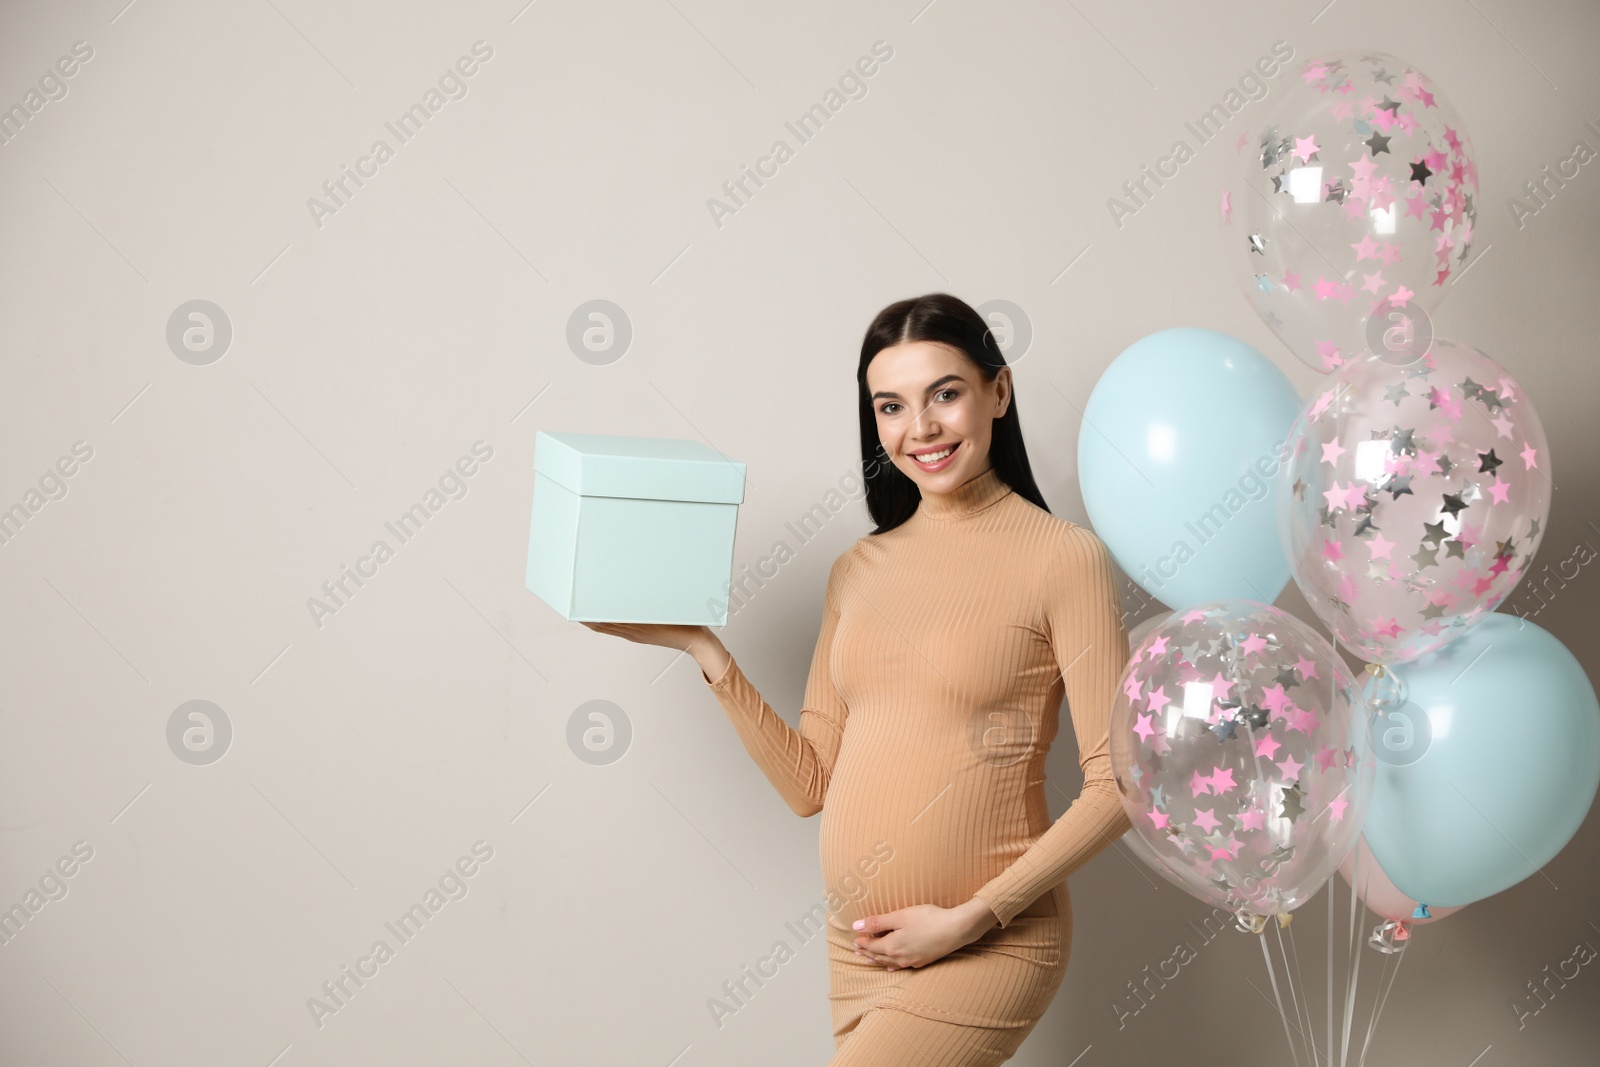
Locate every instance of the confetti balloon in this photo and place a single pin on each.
(1242, 753)
(1417, 499)
(1353, 205)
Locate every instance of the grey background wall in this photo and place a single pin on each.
(423, 316)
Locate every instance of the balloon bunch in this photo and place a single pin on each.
(1405, 499)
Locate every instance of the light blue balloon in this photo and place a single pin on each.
(1488, 767)
(1178, 456)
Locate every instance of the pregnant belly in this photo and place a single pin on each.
(881, 850)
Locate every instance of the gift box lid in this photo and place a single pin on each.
(648, 468)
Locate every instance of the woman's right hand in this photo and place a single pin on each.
(684, 638)
(698, 641)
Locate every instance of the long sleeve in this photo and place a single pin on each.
(1084, 618)
(797, 762)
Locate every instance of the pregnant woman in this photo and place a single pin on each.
(949, 636)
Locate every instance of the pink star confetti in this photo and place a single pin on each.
(1206, 819)
(1267, 746)
(1158, 699)
(1227, 206)
(1144, 729)
(1230, 850)
(1530, 456)
(1159, 818)
(1305, 147)
(1290, 768)
(1254, 643)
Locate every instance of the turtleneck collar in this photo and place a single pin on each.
(968, 498)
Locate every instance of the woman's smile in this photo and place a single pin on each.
(938, 459)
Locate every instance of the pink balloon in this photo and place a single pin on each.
(1379, 894)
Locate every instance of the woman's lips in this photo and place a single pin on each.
(943, 463)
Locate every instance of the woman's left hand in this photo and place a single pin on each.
(922, 933)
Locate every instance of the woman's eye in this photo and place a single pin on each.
(885, 409)
(952, 392)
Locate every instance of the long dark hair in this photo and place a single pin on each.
(892, 497)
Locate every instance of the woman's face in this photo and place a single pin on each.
(927, 397)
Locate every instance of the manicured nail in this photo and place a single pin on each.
(859, 924)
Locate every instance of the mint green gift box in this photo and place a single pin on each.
(633, 529)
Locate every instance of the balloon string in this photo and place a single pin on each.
(1400, 957)
(1300, 1014)
(1372, 1016)
(1288, 979)
(1272, 974)
(1352, 957)
(1332, 890)
(1311, 1022)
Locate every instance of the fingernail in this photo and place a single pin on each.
(859, 924)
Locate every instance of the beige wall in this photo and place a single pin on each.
(374, 345)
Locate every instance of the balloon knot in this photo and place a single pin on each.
(1421, 912)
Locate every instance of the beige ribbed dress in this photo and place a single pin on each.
(933, 697)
